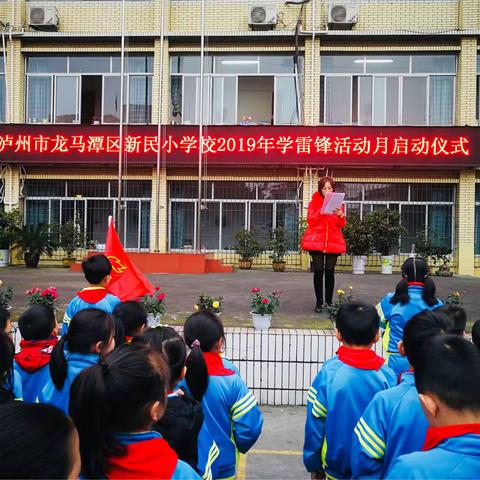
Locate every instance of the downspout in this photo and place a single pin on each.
(7, 96)
(312, 76)
(11, 71)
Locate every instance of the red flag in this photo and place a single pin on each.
(127, 283)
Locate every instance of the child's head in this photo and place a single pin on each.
(203, 332)
(458, 315)
(357, 324)
(90, 331)
(415, 270)
(421, 328)
(447, 376)
(124, 393)
(169, 342)
(5, 324)
(133, 316)
(97, 269)
(7, 352)
(37, 441)
(476, 334)
(37, 323)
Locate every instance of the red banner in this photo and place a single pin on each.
(243, 145)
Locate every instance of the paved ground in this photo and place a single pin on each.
(298, 301)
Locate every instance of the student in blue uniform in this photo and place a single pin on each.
(231, 412)
(447, 375)
(394, 423)
(89, 337)
(37, 442)
(341, 391)
(97, 271)
(10, 382)
(37, 326)
(114, 405)
(413, 294)
(181, 425)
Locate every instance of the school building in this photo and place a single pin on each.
(382, 95)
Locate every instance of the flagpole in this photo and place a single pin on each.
(120, 133)
(200, 131)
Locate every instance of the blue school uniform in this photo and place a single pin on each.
(14, 385)
(395, 317)
(76, 363)
(89, 297)
(232, 416)
(149, 456)
(337, 398)
(393, 424)
(452, 458)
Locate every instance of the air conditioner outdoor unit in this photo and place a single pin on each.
(43, 18)
(342, 16)
(262, 17)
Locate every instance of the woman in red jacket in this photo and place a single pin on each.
(323, 239)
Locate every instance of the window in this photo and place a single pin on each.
(91, 202)
(238, 89)
(423, 207)
(86, 89)
(229, 207)
(387, 89)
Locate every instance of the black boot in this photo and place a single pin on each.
(318, 286)
(329, 285)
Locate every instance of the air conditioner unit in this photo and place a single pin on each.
(43, 18)
(262, 17)
(342, 16)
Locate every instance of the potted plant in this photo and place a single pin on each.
(70, 238)
(433, 250)
(248, 247)
(8, 220)
(386, 230)
(264, 307)
(342, 298)
(359, 241)
(154, 304)
(47, 297)
(6, 294)
(278, 244)
(208, 303)
(33, 241)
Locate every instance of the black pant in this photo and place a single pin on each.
(324, 262)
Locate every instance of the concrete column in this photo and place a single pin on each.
(466, 83)
(466, 223)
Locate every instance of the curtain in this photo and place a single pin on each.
(140, 99)
(176, 96)
(39, 99)
(286, 109)
(441, 100)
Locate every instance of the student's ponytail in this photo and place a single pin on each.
(429, 292)
(202, 331)
(58, 363)
(401, 293)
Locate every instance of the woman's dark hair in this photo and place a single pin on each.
(415, 269)
(87, 327)
(421, 328)
(4, 316)
(7, 352)
(35, 441)
(207, 328)
(37, 322)
(168, 342)
(115, 396)
(323, 181)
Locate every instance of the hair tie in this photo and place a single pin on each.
(195, 343)
(105, 367)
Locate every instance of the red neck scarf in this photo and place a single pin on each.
(215, 365)
(147, 459)
(363, 358)
(416, 284)
(436, 435)
(92, 294)
(35, 354)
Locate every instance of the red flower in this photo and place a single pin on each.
(265, 301)
(255, 290)
(157, 288)
(161, 296)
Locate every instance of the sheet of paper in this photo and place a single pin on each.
(332, 201)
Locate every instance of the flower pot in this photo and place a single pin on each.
(261, 322)
(358, 263)
(154, 319)
(387, 264)
(4, 257)
(244, 264)
(278, 266)
(68, 262)
(31, 259)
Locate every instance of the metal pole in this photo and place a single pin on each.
(200, 132)
(7, 96)
(120, 133)
(159, 129)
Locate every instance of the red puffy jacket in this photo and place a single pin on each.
(324, 231)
